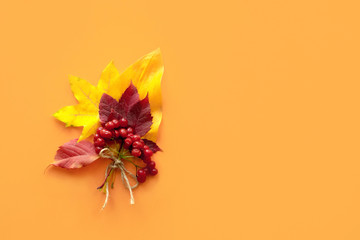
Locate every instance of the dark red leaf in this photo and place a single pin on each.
(139, 117)
(128, 99)
(109, 108)
(75, 154)
(153, 146)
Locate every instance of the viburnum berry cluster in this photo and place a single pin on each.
(120, 138)
(118, 131)
(117, 114)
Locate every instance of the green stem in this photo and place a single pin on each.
(137, 166)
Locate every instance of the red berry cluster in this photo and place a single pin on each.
(110, 131)
(148, 170)
(118, 130)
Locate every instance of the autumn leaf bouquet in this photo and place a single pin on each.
(121, 115)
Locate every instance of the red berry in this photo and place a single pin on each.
(99, 130)
(96, 136)
(98, 149)
(153, 171)
(138, 144)
(116, 123)
(136, 152)
(117, 133)
(123, 133)
(141, 173)
(100, 142)
(130, 135)
(123, 122)
(151, 165)
(135, 137)
(146, 170)
(128, 142)
(105, 133)
(147, 160)
(109, 125)
(141, 179)
(146, 147)
(147, 153)
(130, 130)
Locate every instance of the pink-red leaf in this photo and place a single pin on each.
(75, 154)
(109, 109)
(129, 98)
(139, 117)
(153, 146)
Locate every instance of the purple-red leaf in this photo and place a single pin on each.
(129, 98)
(153, 146)
(137, 112)
(109, 109)
(75, 154)
(139, 117)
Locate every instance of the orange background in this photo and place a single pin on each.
(261, 119)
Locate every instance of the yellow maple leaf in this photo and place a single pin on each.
(145, 73)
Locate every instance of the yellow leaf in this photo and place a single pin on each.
(146, 74)
(86, 113)
(108, 77)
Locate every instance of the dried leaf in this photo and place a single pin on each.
(129, 98)
(139, 117)
(145, 74)
(75, 154)
(109, 109)
(153, 146)
(86, 112)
